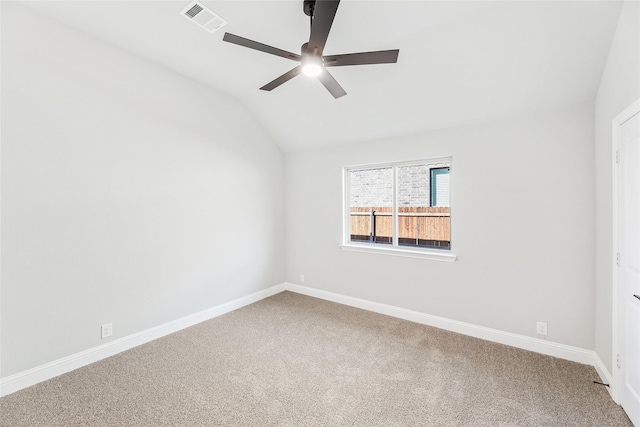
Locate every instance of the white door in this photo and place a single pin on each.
(629, 265)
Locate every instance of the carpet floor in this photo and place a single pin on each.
(293, 360)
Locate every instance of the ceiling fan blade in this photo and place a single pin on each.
(331, 84)
(323, 14)
(232, 38)
(362, 58)
(282, 79)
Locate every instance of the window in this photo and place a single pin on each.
(399, 206)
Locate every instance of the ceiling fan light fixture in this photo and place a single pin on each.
(311, 65)
(312, 70)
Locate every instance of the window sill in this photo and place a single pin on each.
(436, 255)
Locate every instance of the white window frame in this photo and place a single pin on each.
(394, 248)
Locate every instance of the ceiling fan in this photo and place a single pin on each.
(311, 58)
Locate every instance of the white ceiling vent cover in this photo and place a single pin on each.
(199, 14)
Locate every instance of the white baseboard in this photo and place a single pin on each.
(47, 371)
(605, 376)
(537, 345)
(44, 372)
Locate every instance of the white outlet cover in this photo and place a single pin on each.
(107, 330)
(541, 328)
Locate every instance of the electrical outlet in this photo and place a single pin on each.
(302, 278)
(107, 330)
(541, 328)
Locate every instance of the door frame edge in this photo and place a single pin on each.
(617, 121)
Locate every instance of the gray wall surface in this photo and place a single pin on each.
(523, 232)
(129, 194)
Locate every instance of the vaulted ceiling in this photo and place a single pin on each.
(460, 62)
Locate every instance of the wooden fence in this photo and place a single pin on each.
(415, 224)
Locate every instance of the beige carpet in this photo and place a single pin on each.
(292, 360)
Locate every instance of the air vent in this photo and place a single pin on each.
(199, 14)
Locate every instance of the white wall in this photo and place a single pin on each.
(522, 226)
(130, 194)
(619, 88)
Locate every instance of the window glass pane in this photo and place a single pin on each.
(423, 206)
(370, 205)
(440, 187)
